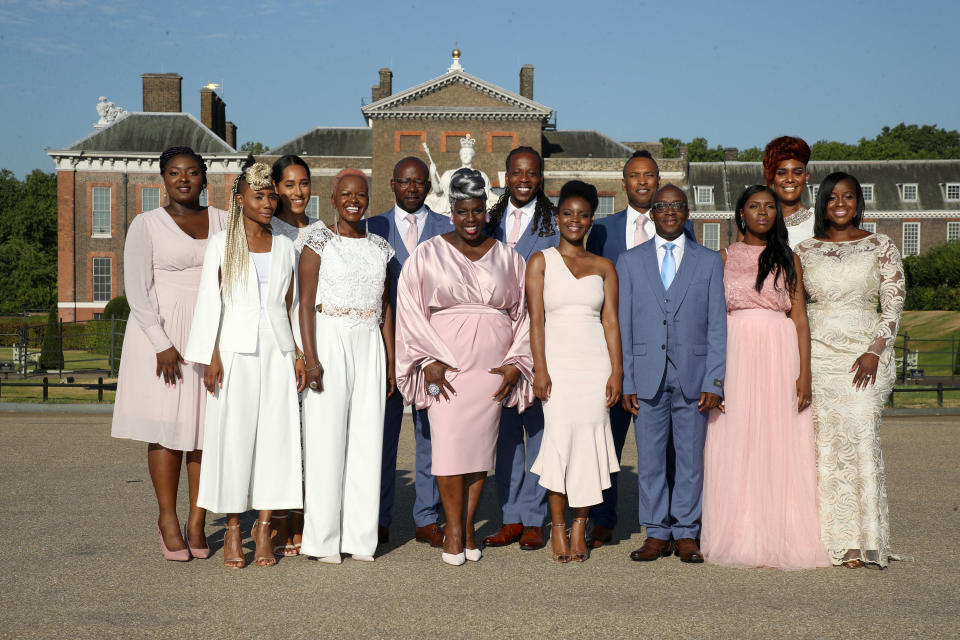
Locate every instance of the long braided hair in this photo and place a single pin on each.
(236, 253)
(543, 211)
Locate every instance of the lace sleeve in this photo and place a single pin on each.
(892, 293)
(317, 239)
(382, 244)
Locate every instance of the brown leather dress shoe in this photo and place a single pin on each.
(508, 534)
(688, 550)
(383, 535)
(532, 538)
(431, 533)
(652, 549)
(600, 536)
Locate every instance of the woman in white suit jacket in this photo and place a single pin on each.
(241, 330)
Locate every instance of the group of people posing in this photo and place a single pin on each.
(278, 353)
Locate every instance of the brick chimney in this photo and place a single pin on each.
(161, 92)
(213, 112)
(526, 81)
(385, 88)
(231, 134)
(729, 154)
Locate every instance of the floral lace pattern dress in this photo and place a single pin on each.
(845, 284)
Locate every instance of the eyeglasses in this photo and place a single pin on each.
(403, 182)
(676, 205)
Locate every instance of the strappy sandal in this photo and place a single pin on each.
(562, 558)
(579, 557)
(285, 550)
(231, 563)
(293, 535)
(262, 561)
(855, 563)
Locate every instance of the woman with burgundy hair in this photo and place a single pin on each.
(785, 171)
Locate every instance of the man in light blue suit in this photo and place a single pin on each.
(523, 220)
(673, 328)
(610, 237)
(407, 224)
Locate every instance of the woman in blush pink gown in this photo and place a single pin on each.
(160, 398)
(463, 350)
(760, 478)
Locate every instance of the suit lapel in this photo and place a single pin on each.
(526, 241)
(648, 257)
(688, 266)
(399, 248)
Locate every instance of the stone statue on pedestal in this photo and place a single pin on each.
(108, 112)
(439, 197)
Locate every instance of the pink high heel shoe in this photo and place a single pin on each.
(176, 556)
(199, 554)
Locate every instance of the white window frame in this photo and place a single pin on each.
(955, 187)
(814, 190)
(99, 229)
(953, 231)
(865, 188)
(869, 226)
(605, 206)
(205, 197)
(914, 228)
(709, 229)
(101, 261)
(902, 189)
(144, 206)
(703, 194)
(313, 206)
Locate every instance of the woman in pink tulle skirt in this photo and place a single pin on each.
(760, 478)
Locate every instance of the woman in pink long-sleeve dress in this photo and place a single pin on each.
(463, 350)
(160, 398)
(760, 475)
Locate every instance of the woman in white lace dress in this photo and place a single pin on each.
(847, 272)
(347, 335)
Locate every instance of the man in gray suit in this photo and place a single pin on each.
(404, 226)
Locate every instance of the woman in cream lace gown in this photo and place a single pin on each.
(846, 272)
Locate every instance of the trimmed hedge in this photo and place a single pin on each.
(932, 299)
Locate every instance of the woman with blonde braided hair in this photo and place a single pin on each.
(241, 331)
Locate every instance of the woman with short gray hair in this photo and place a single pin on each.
(463, 340)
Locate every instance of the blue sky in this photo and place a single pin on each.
(735, 73)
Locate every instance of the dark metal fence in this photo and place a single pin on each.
(77, 349)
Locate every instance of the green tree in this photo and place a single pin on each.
(671, 147)
(753, 154)
(51, 352)
(28, 241)
(902, 142)
(253, 148)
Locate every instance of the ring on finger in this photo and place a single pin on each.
(433, 389)
(314, 385)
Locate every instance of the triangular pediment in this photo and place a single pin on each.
(457, 94)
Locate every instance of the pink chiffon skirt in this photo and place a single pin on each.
(464, 431)
(760, 474)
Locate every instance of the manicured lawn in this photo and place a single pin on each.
(933, 334)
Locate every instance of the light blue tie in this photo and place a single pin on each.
(669, 268)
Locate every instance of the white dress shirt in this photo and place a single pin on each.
(648, 227)
(526, 215)
(677, 250)
(400, 217)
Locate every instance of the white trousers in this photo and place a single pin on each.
(343, 440)
(251, 439)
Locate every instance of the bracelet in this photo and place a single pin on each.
(299, 356)
(312, 368)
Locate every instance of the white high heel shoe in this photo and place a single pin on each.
(454, 559)
(473, 555)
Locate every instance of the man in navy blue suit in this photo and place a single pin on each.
(404, 226)
(610, 237)
(673, 330)
(523, 220)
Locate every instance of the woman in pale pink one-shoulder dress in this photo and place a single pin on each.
(463, 350)
(160, 398)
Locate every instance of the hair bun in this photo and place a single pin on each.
(258, 176)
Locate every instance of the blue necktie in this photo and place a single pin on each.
(669, 268)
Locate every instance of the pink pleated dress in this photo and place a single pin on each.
(162, 266)
(760, 474)
(471, 316)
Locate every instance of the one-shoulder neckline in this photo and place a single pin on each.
(567, 269)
